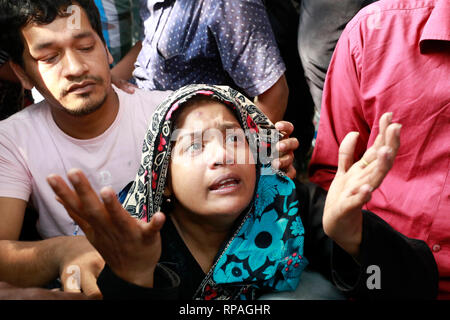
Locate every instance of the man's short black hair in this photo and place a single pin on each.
(15, 14)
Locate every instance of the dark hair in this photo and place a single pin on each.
(15, 14)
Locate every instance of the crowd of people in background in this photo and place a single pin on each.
(358, 89)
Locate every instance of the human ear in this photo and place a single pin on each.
(109, 55)
(22, 76)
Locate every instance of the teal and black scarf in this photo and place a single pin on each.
(265, 251)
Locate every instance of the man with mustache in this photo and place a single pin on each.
(83, 122)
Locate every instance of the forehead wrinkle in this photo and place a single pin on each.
(46, 45)
(222, 126)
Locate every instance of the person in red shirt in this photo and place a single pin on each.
(395, 56)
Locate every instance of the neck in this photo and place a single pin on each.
(203, 238)
(91, 125)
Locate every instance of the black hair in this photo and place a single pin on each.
(15, 14)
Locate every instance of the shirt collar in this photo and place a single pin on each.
(438, 25)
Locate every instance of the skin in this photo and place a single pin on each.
(9, 292)
(56, 58)
(135, 247)
(204, 214)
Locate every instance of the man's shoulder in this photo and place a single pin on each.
(19, 122)
(378, 14)
(141, 96)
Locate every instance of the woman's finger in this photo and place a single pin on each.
(69, 199)
(371, 154)
(393, 137)
(92, 208)
(358, 197)
(118, 215)
(347, 152)
(155, 224)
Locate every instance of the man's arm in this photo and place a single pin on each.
(273, 102)
(341, 113)
(12, 212)
(23, 263)
(125, 67)
(36, 263)
(123, 70)
(250, 55)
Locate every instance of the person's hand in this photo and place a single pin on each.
(286, 147)
(79, 266)
(9, 292)
(354, 183)
(122, 84)
(130, 247)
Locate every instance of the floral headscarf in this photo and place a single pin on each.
(266, 248)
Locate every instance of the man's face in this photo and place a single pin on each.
(68, 63)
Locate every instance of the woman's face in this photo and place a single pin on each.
(212, 171)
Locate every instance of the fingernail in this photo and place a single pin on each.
(73, 177)
(106, 194)
(389, 116)
(282, 146)
(51, 181)
(399, 128)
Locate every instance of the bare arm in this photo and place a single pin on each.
(354, 183)
(27, 264)
(12, 212)
(273, 102)
(123, 70)
(21, 263)
(36, 263)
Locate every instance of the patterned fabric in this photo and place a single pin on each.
(207, 41)
(266, 248)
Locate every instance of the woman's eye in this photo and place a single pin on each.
(194, 147)
(233, 138)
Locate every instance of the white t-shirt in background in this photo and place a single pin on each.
(33, 147)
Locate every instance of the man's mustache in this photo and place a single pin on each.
(79, 80)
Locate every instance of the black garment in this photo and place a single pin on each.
(408, 269)
(284, 19)
(321, 24)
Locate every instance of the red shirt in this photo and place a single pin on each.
(395, 56)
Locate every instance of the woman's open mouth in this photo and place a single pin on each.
(225, 184)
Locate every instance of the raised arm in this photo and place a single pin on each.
(130, 247)
(354, 183)
(363, 242)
